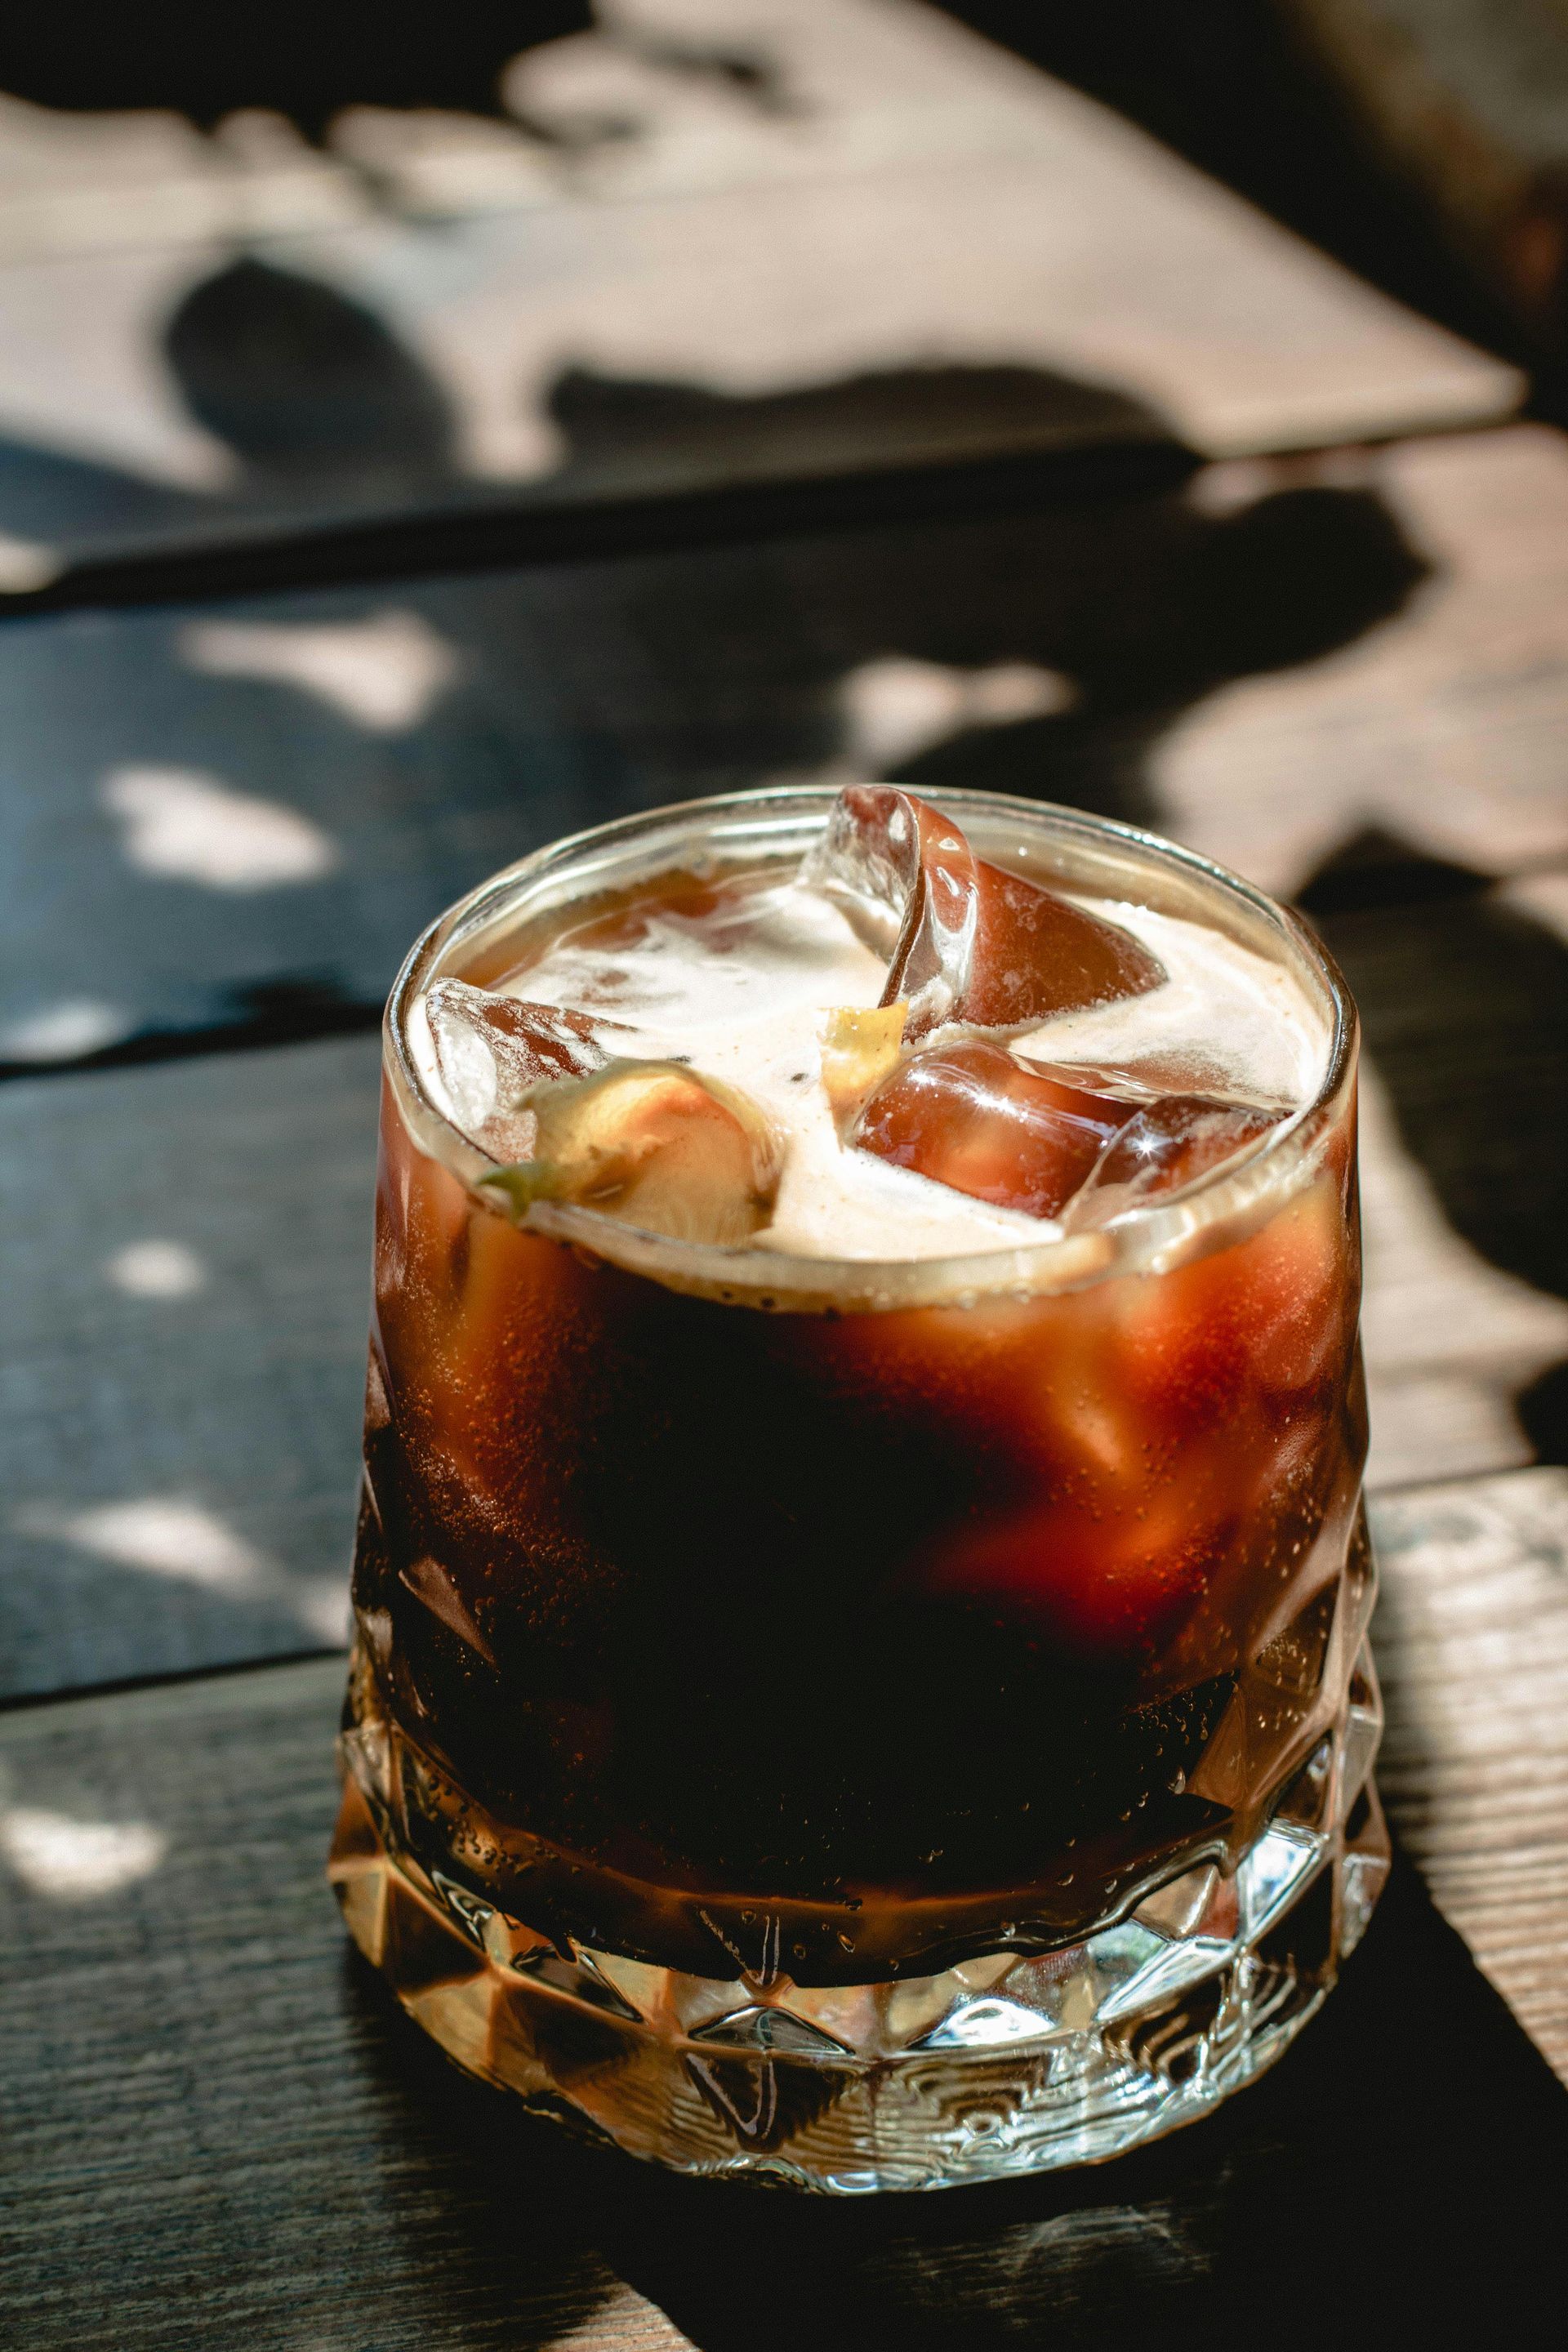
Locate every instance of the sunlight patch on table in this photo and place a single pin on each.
(894, 708)
(27, 565)
(55, 1854)
(179, 1538)
(165, 1535)
(156, 1270)
(384, 673)
(65, 1031)
(1450, 1340)
(192, 829)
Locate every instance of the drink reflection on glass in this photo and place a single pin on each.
(861, 1588)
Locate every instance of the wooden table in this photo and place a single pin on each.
(1303, 604)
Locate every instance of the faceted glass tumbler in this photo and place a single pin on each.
(694, 1790)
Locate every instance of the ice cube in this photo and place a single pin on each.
(654, 1145)
(966, 941)
(490, 1051)
(1167, 1147)
(972, 1115)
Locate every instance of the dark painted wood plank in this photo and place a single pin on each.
(218, 2132)
(202, 831)
(1262, 665)
(914, 249)
(181, 1361)
(181, 1357)
(495, 712)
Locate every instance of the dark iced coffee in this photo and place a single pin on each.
(860, 1589)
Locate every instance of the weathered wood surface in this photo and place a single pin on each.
(387, 752)
(200, 806)
(1345, 675)
(181, 1361)
(182, 1356)
(225, 2135)
(891, 246)
(1444, 724)
(1473, 1639)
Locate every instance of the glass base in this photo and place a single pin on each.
(1005, 2065)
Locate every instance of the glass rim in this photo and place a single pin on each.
(1145, 1238)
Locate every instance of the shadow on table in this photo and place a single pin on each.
(1463, 1004)
(1396, 2172)
(308, 65)
(1043, 649)
(293, 58)
(227, 822)
(1236, 88)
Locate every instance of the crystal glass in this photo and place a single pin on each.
(683, 1798)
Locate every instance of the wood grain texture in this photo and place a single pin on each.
(917, 250)
(218, 2133)
(1442, 724)
(1473, 1634)
(419, 741)
(1463, 1352)
(181, 1361)
(181, 1358)
(1264, 666)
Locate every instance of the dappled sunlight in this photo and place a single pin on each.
(893, 709)
(178, 1537)
(1451, 1339)
(27, 565)
(384, 673)
(156, 1270)
(64, 1032)
(193, 829)
(168, 1534)
(322, 1605)
(77, 1861)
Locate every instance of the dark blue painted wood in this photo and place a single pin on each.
(181, 1361)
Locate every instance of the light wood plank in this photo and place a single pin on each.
(1473, 1634)
(925, 251)
(1262, 668)
(1453, 1338)
(1441, 725)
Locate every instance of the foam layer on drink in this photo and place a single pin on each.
(739, 989)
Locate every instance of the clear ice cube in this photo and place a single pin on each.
(972, 1115)
(490, 1051)
(1169, 1145)
(966, 941)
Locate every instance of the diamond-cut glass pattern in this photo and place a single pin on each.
(1010, 2063)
